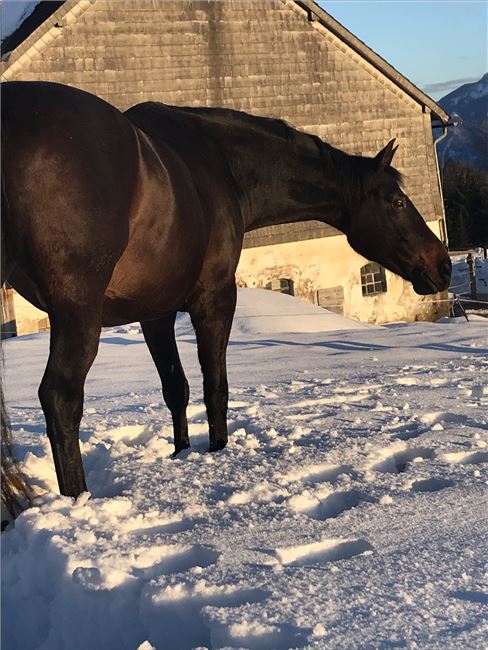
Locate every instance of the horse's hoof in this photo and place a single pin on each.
(177, 451)
(218, 445)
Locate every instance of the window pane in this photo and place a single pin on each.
(373, 279)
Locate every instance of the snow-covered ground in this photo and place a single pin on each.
(349, 510)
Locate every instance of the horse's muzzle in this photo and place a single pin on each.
(426, 281)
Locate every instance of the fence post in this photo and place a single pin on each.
(472, 275)
(8, 323)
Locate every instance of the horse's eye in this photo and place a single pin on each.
(399, 204)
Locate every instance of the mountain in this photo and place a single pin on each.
(20, 19)
(468, 140)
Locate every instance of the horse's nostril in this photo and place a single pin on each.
(445, 269)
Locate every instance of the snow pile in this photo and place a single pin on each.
(260, 311)
(347, 512)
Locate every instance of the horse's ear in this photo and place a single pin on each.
(385, 156)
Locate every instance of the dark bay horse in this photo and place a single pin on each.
(110, 218)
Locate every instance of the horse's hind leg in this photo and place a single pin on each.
(75, 334)
(160, 339)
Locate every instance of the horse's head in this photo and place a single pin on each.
(386, 227)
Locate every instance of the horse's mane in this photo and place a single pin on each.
(276, 127)
(395, 174)
(350, 166)
(269, 125)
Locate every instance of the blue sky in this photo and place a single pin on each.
(437, 44)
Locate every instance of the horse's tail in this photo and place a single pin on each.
(15, 492)
(4, 208)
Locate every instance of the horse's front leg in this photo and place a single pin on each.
(211, 313)
(75, 334)
(160, 339)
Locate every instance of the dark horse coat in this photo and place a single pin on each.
(110, 218)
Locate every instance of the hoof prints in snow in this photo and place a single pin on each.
(408, 432)
(337, 503)
(112, 573)
(466, 457)
(144, 564)
(258, 636)
(320, 473)
(176, 560)
(311, 475)
(171, 527)
(329, 550)
(178, 613)
(431, 485)
(398, 461)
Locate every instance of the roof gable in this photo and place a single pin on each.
(33, 32)
(315, 12)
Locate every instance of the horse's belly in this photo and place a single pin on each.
(148, 299)
(27, 288)
(152, 279)
(120, 311)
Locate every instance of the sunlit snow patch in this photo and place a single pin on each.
(260, 311)
(328, 550)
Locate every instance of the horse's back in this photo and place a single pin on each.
(68, 176)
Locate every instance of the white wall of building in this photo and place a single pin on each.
(316, 264)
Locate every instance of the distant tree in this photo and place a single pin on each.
(465, 190)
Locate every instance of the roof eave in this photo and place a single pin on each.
(69, 11)
(374, 59)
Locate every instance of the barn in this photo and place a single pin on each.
(280, 58)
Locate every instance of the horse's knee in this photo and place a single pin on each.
(186, 393)
(61, 399)
(47, 394)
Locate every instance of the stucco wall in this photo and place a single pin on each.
(28, 318)
(328, 262)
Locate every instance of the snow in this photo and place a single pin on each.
(288, 314)
(468, 92)
(348, 510)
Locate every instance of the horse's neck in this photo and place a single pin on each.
(286, 181)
